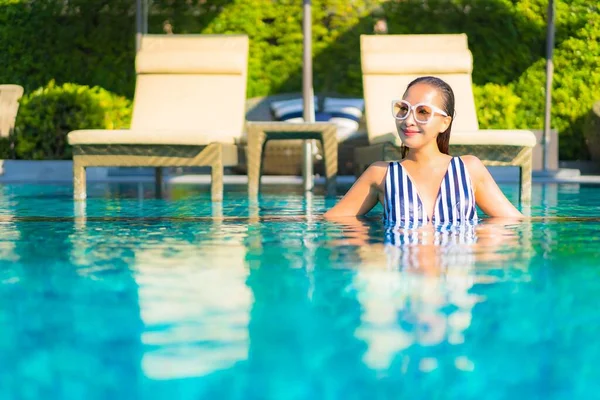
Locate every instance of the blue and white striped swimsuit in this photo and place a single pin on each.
(455, 201)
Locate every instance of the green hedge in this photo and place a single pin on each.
(576, 86)
(78, 41)
(49, 113)
(496, 106)
(91, 42)
(275, 29)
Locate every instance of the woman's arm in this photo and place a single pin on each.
(363, 195)
(488, 195)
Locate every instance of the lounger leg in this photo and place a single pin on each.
(79, 190)
(256, 140)
(216, 184)
(330, 156)
(158, 180)
(526, 169)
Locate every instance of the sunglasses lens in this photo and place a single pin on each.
(423, 113)
(401, 110)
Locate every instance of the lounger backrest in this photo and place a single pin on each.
(390, 62)
(191, 83)
(9, 106)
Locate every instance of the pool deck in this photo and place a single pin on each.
(20, 171)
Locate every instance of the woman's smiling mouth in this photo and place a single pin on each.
(410, 132)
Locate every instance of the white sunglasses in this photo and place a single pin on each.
(422, 112)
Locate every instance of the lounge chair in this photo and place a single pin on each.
(9, 106)
(391, 62)
(188, 110)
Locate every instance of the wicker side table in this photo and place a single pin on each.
(261, 132)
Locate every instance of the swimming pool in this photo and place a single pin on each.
(132, 297)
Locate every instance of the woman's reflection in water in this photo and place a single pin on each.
(415, 288)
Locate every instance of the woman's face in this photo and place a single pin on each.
(415, 134)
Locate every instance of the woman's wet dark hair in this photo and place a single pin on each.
(443, 139)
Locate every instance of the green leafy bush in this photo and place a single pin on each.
(496, 106)
(86, 42)
(117, 109)
(275, 31)
(591, 132)
(576, 86)
(49, 113)
(505, 38)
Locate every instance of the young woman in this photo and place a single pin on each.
(428, 186)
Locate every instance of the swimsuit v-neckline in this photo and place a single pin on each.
(439, 194)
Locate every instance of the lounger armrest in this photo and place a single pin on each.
(147, 137)
(391, 137)
(494, 137)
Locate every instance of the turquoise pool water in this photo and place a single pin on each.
(132, 297)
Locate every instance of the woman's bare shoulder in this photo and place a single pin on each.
(380, 165)
(473, 164)
(375, 173)
(377, 170)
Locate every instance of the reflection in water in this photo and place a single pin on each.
(231, 303)
(9, 236)
(9, 233)
(67, 328)
(195, 310)
(191, 288)
(416, 288)
(302, 321)
(430, 249)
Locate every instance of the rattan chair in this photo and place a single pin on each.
(188, 110)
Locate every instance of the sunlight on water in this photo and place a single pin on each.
(127, 296)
